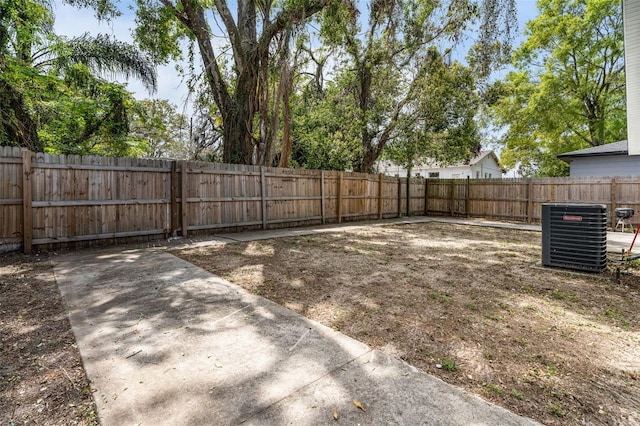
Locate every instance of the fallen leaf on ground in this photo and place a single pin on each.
(335, 414)
(358, 404)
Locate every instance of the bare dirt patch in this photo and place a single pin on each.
(41, 376)
(469, 304)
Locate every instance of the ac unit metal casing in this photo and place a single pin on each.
(574, 236)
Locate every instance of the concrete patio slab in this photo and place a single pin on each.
(391, 393)
(166, 343)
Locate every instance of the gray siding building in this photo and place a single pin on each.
(612, 159)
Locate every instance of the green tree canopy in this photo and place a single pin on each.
(165, 133)
(386, 58)
(240, 46)
(53, 97)
(567, 91)
(441, 126)
(323, 131)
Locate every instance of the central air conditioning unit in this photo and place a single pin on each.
(574, 236)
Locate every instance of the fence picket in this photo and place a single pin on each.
(66, 199)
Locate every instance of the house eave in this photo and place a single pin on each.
(568, 158)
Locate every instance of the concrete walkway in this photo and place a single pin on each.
(167, 343)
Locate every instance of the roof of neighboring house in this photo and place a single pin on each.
(468, 162)
(483, 154)
(615, 148)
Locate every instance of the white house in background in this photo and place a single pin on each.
(611, 159)
(485, 165)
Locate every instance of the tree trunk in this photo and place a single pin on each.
(263, 109)
(286, 128)
(265, 141)
(237, 111)
(369, 158)
(274, 126)
(238, 107)
(287, 87)
(238, 135)
(194, 19)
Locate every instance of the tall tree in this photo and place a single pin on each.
(163, 23)
(385, 59)
(567, 91)
(20, 24)
(440, 123)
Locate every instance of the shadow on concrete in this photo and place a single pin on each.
(165, 342)
(493, 307)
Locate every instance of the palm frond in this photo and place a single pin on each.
(106, 56)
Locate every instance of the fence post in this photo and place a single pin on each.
(553, 190)
(263, 197)
(322, 194)
(27, 214)
(426, 197)
(466, 200)
(183, 196)
(339, 205)
(452, 203)
(399, 196)
(485, 208)
(380, 201)
(174, 198)
(612, 213)
(408, 195)
(529, 200)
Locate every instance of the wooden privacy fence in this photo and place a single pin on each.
(522, 199)
(66, 199)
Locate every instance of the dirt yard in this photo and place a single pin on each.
(42, 381)
(470, 305)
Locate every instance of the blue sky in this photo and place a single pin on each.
(73, 22)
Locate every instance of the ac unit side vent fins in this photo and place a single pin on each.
(574, 236)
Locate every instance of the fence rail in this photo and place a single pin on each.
(57, 200)
(51, 200)
(522, 199)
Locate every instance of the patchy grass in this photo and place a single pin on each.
(448, 364)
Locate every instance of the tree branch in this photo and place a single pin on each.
(293, 16)
(198, 24)
(232, 28)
